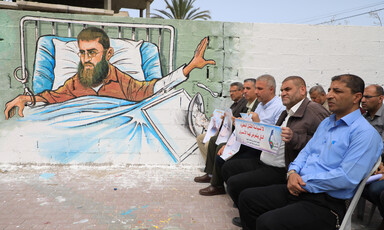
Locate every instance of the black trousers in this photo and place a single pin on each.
(211, 155)
(273, 207)
(244, 152)
(240, 174)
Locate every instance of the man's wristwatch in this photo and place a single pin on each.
(290, 172)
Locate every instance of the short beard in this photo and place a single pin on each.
(93, 77)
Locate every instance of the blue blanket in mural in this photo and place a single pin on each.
(88, 128)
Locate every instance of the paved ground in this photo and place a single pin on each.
(106, 197)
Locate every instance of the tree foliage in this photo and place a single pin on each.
(182, 9)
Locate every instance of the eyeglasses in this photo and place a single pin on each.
(90, 54)
(368, 97)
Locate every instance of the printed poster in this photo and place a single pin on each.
(259, 136)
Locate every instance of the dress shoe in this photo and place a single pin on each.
(203, 179)
(212, 190)
(237, 221)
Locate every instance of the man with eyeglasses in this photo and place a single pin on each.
(372, 103)
(238, 106)
(210, 162)
(97, 77)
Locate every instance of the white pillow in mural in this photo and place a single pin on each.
(127, 58)
(66, 61)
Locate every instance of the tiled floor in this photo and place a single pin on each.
(107, 197)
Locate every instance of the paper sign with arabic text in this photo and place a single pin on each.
(259, 136)
(214, 124)
(233, 146)
(226, 128)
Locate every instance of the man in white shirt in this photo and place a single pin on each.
(267, 111)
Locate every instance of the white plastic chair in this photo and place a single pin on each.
(346, 224)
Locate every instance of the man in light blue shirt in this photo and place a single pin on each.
(326, 172)
(270, 107)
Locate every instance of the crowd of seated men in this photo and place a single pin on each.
(329, 144)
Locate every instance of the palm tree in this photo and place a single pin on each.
(182, 9)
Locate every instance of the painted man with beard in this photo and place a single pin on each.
(97, 77)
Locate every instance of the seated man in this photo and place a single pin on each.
(372, 103)
(298, 123)
(97, 76)
(252, 102)
(236, 91)
(326, 172)
(318, 95)
(268, 111)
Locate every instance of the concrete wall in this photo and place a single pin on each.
(241, 50)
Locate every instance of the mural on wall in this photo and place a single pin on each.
(98, 103)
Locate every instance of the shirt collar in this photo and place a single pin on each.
(235, 102)
(269, 102)
(378, 113)
(294, 108)
(250, 105)
(347, 119)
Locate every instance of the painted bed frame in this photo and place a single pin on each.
(43, 23)
(161, 35)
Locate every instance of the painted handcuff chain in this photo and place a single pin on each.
(23, 79)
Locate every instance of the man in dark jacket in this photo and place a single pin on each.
(250, 96)
(298, 123)
(239, 105)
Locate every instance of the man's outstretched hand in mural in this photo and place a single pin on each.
(97, 77)
(198, 60)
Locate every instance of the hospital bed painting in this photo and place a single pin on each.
(106, 129)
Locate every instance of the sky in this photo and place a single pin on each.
(287, 11)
